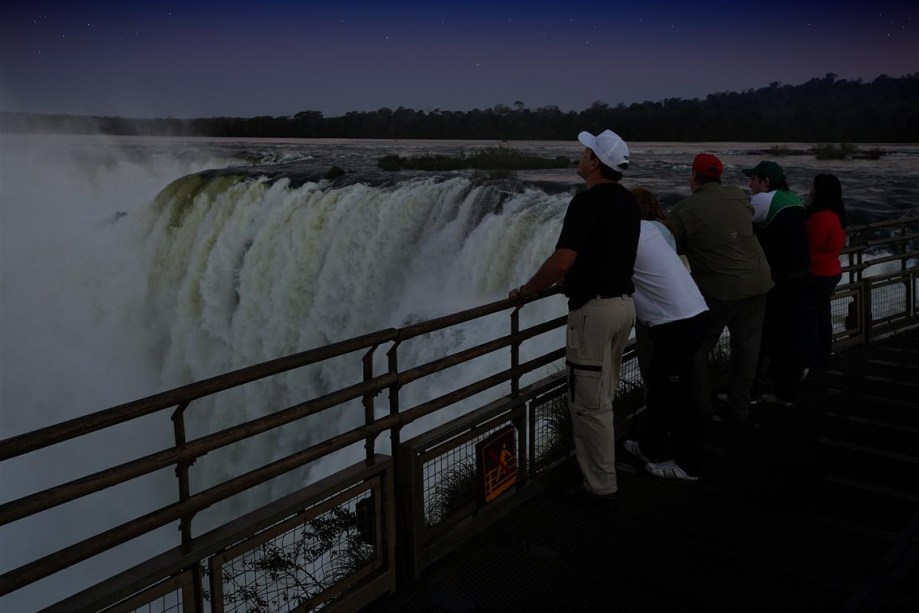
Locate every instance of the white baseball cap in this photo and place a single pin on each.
(608, 147)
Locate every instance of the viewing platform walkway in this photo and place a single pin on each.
(811, 508)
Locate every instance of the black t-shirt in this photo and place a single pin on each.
(602, 225)
(784, 242)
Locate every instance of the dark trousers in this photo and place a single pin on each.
(744, 321)
(785, 336)
(821, 333)
(670, 385)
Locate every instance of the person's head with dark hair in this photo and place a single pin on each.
(826, 195)
(766, 176)
(706, 168)
(605, 171)
(649, 206)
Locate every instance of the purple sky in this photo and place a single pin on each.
(194, 59)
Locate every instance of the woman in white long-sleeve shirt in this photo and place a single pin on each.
(669, 303)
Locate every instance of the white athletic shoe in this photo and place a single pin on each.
(773, 399)
(669, 470)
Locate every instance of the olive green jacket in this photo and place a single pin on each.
(714, 229)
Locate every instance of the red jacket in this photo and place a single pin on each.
(825, 238)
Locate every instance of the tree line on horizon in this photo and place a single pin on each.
(826, 109)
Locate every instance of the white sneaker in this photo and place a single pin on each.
(669, 470)
(633, 448)
(773, 399)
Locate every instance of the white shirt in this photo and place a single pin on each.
(668, 235)
(664, 289)
(761, 203)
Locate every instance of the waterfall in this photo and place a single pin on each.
(115, 287)
(244, 270)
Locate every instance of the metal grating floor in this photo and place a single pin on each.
(809, 509)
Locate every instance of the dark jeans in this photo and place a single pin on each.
(744, 321)
(786, 336)
(670, 384)
(821, 332)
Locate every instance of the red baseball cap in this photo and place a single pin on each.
(708, 165)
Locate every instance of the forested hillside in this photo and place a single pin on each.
(826, 109)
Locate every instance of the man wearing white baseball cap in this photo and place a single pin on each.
(595, 256)
(608, 148)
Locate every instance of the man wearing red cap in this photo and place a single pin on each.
(595, 257)
(714, 229)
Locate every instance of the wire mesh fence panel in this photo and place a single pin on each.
(844, 313)
(295, 562)
(630, 390)
(551, 432)
(451, 479)
(888, 300)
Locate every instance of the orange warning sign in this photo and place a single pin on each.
(497, 461)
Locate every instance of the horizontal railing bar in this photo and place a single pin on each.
(45, 437)
(419, 411)
(453, 319)
(892, 258)
(438, 434)
(900, 238)
(52, 497)
(418, 372)
(883, 224)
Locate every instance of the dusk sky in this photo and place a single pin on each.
(231, 58)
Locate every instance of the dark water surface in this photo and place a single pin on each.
(886, 188)
(874, 189)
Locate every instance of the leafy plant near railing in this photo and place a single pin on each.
(557, 438)
(455, 488)
(328, 549)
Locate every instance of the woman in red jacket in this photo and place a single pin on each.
(826, 235)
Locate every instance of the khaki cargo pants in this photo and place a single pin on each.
(597, 334)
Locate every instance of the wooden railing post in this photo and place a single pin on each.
(403, 476)
(393, 358)
(368, 403)
(515, 352)
(178, 423)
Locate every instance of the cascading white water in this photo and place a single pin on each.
(243, 270)
(112, 291)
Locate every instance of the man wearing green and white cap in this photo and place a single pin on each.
(779, 223)
(595, 257)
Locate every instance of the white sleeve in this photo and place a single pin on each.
(761, 203)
